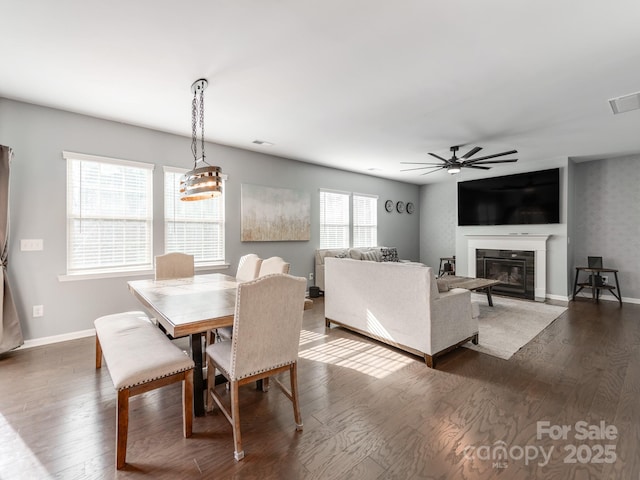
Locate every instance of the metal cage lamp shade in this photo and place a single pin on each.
(205, 181)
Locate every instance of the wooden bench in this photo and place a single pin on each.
(140, 358)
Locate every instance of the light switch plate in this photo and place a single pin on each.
(31, 244)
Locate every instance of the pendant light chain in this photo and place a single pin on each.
(205, 181)
(197, 117)
(202, 121)
(194, 131)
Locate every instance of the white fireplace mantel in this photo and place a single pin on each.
(530, 242)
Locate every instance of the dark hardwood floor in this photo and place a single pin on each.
(369, 411)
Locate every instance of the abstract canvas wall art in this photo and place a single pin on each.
(271, 214)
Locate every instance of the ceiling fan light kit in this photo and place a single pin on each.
(455, 165)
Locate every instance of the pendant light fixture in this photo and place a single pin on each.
(204, 181)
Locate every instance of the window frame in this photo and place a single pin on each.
(75, 272)
(337, 223)
(166, 221)
(354, 238)
(351, 237)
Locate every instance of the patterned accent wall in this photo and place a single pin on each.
(438, 222)
(607, 218)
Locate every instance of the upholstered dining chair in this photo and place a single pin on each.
(270, 266)
(248, 267)
(174, 265)
(273, 265)
(272, 305)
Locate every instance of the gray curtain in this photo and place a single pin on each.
(10, 331)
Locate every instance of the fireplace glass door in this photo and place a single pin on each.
(513, 268)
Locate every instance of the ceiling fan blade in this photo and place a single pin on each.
(472, 152)
(493, 156)
(495, 161)
(479, 168)
(463, 162)
(418, 168)
(434, 170)
(438, 157)
(422, 163)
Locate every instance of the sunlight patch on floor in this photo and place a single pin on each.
(308, 337)
(374, 360)
(14, 452)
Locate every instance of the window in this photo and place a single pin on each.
(109, 214)
(334, 219)
(338, 225)
(365, 220)
(196, 228)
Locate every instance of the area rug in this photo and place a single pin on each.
(510, 324)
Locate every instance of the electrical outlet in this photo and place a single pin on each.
(38, 311)
(311, 277)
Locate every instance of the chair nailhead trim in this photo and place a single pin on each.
(147, 380)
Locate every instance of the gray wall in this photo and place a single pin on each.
(572, 236)
(600, 217)
(438, 221)
(607, 218)
(440, 236)
(38, 135)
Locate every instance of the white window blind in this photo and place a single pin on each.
(365, 220)
(196, 228)
(109, 214)
(334, 219)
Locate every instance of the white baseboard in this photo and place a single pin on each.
(560, 298)
(609, 298)
(37, 342)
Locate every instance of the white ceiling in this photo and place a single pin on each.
(349, 84)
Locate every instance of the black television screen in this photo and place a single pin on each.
(524, 198)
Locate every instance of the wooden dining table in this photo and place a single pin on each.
(190, 307)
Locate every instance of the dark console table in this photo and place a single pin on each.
(594, 282)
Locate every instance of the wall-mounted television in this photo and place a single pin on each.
(524, 198)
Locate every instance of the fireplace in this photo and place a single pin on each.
(514, 268)
(535, 243)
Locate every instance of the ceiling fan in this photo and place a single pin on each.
(455, 164)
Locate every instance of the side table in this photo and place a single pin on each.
(594, 285)
(447, 266)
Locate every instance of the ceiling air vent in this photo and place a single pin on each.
(625, 103)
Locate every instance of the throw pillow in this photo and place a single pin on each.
(370, 256)
(389, 255)
(355, 253)
(443, 286)
(341, 255)
(331, 253)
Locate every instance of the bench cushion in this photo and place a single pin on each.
(136, 351)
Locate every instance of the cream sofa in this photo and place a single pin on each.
(354, 253)
(398, 304)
